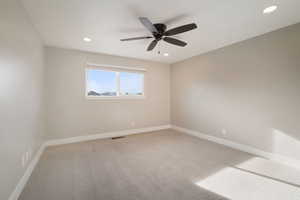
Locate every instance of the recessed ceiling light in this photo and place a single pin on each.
(166, 54)
(270, 9)
(86, 39)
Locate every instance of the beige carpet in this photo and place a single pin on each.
(162, 165)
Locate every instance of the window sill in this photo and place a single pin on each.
(115, 98)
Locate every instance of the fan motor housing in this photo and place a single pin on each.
(161, 28)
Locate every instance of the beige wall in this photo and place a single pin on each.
(21, 93)
(70, 114)
(251, 89)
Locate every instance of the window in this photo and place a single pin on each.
(105, 82)
(131, 83)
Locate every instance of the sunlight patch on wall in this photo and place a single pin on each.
(285, 144)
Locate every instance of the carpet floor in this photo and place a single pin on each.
(160, 165)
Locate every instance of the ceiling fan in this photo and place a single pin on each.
(159, 32)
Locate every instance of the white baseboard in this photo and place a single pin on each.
(21, 184)
(241, 147)
(105, 135)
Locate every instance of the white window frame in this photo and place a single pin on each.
(115, 69)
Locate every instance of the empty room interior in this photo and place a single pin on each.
(150, 100)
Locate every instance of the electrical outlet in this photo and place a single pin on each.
(224, 132)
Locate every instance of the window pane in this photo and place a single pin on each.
(101, 83)
(131, 83)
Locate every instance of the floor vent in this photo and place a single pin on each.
(116, 138)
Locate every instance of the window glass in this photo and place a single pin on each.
(106, 83)
(101, 83)
(131, 83)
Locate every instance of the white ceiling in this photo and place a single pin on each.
(64, 23)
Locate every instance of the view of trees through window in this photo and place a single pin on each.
(113, 83)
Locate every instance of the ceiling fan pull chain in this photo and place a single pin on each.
(158, 49)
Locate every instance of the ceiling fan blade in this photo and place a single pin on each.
(181, 29)
(136, 38)
(148, 24)
(175, 41)
(152, 45)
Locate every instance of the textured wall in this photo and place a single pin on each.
(251, 89)
(21, 93)
(70, 114)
